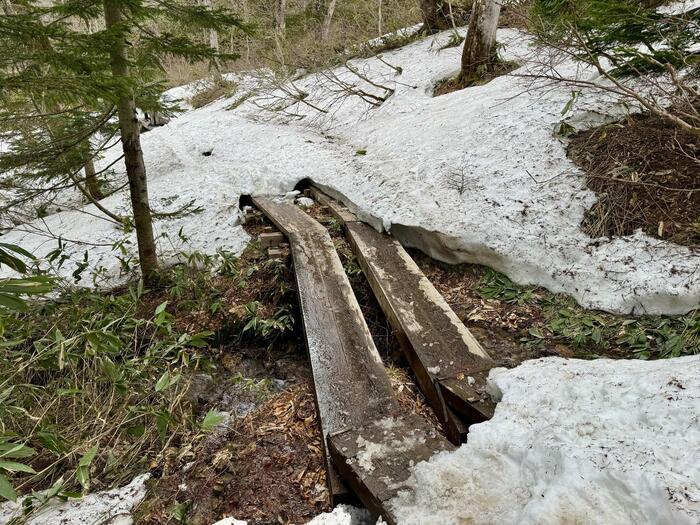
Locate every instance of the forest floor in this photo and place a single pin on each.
(263, 463)
(645, 174)
(267, 465)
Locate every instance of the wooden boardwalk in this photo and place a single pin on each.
(376, 459)
(449, 363)
(368, 439)
(349, 378)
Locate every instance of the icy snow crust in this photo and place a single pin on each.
(521, 207)
(573, 441)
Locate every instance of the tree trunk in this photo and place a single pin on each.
(213, 35)
(280, 16)
(436, 15)
(91, 182)
(479, 54)
(131, 145)
(327, 19)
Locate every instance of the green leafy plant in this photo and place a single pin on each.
(10, 452)
(494, 285)
(267, 328)
(13, 290)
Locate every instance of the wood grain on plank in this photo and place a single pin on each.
(350, 380)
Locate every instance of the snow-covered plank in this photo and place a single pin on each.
(449, 363)
(351, 383)
(376, 460)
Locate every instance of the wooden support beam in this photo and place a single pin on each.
(271, 239)
(449, 363)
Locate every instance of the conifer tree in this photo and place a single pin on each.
(66, 94)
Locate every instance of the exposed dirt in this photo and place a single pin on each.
(498, 325)
(646, 174)
(265, 467)
(451, 84)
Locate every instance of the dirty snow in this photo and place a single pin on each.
(343, 515)
(519, 210)
(675, 8)
(110, 506)
(573, 441)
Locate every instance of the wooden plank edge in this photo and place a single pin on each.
(337, 209)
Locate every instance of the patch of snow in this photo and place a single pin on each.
(230, 521)
(520, 211)
(677, 8)
(109, 506)
(573, 441)
(343, 515)
(404, 32)
(305, 202)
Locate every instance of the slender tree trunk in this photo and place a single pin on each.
(280, 27)
(280, 16)
(380, 19)
(131, 144)
(436, 15)
(91, 182)
(479, 52)
(327, 19)
(213, 35)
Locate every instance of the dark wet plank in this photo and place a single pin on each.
(449, 363)
(376, 459)
(350, 380)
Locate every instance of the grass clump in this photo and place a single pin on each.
(217, 88)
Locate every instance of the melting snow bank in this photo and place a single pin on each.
(341, 515)
(110, 506)
(472, 176)
(573, 441)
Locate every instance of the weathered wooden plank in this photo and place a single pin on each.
(472, 400)
(350, 380)
(336, 208)
(444, 355)
(376, 459)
